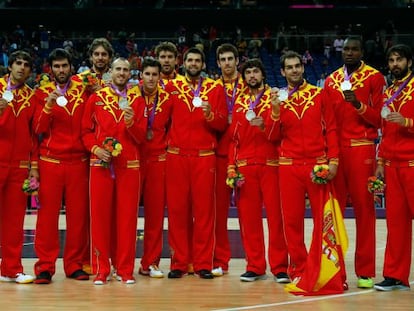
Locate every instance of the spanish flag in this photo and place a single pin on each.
(325, 267)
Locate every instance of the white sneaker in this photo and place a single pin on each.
(217, 271)
(20, 278)
(155, 272)
(128, 280)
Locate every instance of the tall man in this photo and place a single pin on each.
(254, 156)
(167, 55)
(114, 112)
(64, 168)
(153, 152)
(227, 58)
(355, 90)
(198, 113)
(395, 163)
(17, 162)
(100, 54)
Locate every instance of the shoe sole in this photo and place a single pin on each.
(391, 288)
(42, 282)
(282, 281)
(252, 279)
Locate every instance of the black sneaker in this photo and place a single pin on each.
(281, 277)
(175, 274)
(205, 274)
(43, 277)
(251, 276)
(390, 284)
(79, 275)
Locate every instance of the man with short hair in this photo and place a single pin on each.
(63, 165)
(17, 162)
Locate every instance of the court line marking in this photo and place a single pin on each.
(284, 303)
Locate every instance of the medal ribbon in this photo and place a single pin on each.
(162, 84)
(197, 91)
(399, 90)
(11, 87)
(230, 100)
(293, 91)
(151, 116)
(122, 93)
(64, 89)
(256, 101)
(347, 77)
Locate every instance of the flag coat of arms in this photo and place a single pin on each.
(325, 267)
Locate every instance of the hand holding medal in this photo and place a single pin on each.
(123, 103)
(128, 114)
(206, 109)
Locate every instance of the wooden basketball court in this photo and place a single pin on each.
(193, 293)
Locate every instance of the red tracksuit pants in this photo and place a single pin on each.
(154, 198)
(58, 181)
(191, 212)
(13, 202)
(222, 252)
(261, 189)
(114, 215)
(356, 164)
(295, 183)
(399, 202)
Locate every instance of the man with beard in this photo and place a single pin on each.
(254, 156)
(18, 161)
(355, 91)
(64, 168)
(199, 113)
(167, 55)
(114, 114)
(100, 56)
(395, 164)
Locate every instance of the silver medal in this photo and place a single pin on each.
(106, 77)
(123, 103)
(197, 101)
(385, 111)
(250, 115)
(283, 95)
(346, 85)
(61, 101)
(8, 95)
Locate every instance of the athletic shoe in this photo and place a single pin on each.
(365, 282)
(101, 279)
(20, 278)
(281, 277)
(390, 284)
(44, 277)
(126, 279)
(155, 272)
(250, 276)
(205, 274)
(79, 275)
(218, 271)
